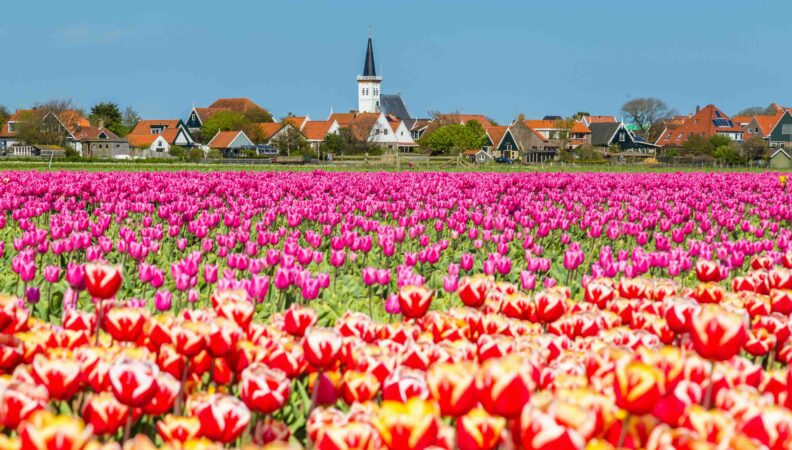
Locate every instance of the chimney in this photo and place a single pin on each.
(101, 123)
(698, 108)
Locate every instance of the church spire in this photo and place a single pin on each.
(369, 69)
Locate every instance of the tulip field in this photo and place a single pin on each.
(402, 311)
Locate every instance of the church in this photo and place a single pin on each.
(370, 96)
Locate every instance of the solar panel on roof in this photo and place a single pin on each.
(722, 123)
(717, 114)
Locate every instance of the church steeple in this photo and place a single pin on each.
(369, 84)
(369, 70)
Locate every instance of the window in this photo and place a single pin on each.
(11, 127)
(786, 129)
(385, 132)
(622, 138)
(376, 91)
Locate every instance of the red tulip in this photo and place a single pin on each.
(322, 347)
(414, 301)
(134, 381)
(223, 417)
(167, 390)
(477, 430)
(358, 387)
(638, 386)
(541, 430)
(104, 413)
(453, 387)
(550, 305)
(102, 281)
(600, 292)
(473, 290)
(708, 271)
(263, 389)
(297, 319)
(125, 324)
(45, 431)
(60, 375)
(506, 385)
(19, 400)
(717, 333)
(407, 426)
(178, 429)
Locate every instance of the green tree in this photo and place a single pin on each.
(345, 143)
(4, 115)
(129, 119)
(754, 148)
(223, 121)
(698, 145)
(455, 138)
(290, 140)
(258, 116)
(726, 153)
(106, 114)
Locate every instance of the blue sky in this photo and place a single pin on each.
(495, 57)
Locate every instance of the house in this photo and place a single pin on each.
(477, 156)
(387, 132)
(298, 122)
(781, 159)
(608, 134)
(63, 126)
(707, 122)
(579, 134)
(316, 131)
(156, 137)
(588, 120)
(199, 116)
(274, 130)
(775, 129)
(230, 143)
(500, 143)
(534, 146)
(101, 143)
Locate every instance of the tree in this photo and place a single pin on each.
(223, 121)
(290, 140)
(106, 114)
(754, 148)
(4, 115)
(757, 111)
(697, 144)
(345, 143)
(726, 153)
(455, 138)
(645, 112)
(129, 119)
(563, 132)
(258, 116)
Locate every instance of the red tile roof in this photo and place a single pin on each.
(205, 114)
(579, 128)
(270, 129)
(541, 124)
(700, 123)
(465, 118)
(767, 123)
(236, 104)
(93, 134)
(144, 126)
(316, 130)
(601, 119)
(223, 139)
(496, 134)
(141, 140)
(296, 122)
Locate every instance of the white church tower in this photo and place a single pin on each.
(369, 84)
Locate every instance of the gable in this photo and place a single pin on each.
(782, 132)
(194, 121)
(508, 142)
(241, 140)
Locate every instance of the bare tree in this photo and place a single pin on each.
(757, 111)
(645, 112)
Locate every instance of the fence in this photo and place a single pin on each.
(400, 161)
